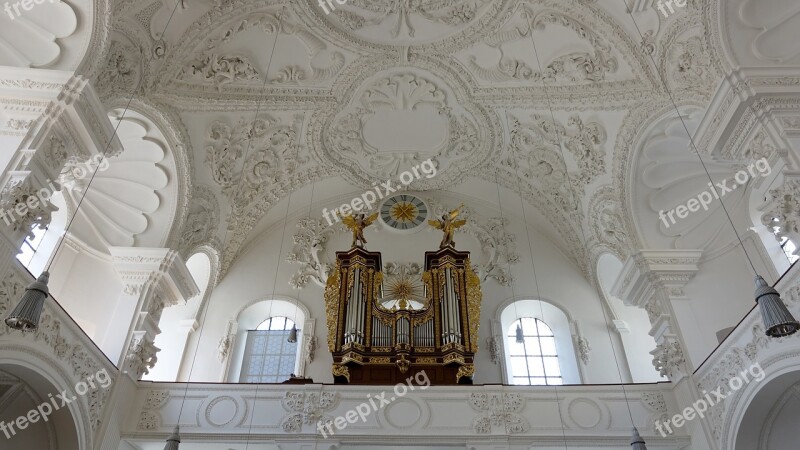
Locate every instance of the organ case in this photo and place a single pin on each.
(373, 344)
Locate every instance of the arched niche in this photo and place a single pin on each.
(133, 196)
(50, 34)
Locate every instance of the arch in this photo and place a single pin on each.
(747, 410)
(250, 316)
(559, 322)
(42, 376)
(175, 139)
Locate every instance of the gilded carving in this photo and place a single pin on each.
(332, 306)
(339, 370)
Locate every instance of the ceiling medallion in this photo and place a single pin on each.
(403, 212)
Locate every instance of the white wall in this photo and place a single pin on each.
(252, 276)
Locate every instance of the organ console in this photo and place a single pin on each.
(382, 334)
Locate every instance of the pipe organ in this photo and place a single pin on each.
(381, 331)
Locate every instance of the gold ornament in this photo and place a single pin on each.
(448, 225)
(356, 224)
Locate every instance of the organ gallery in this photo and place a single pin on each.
(384, 329)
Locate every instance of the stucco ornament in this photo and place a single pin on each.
(306, 408)
(498, 410)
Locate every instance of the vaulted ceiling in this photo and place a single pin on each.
(549, 98)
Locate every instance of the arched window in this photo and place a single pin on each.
(269, 357)
(532, 351)
(546, 355)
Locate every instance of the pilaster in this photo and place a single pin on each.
(652, 280)
(153, 279)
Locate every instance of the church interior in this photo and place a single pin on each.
(399, 224)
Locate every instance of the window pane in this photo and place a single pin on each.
(287, 367)
(555, 381)
(532, 346)
(518, 366)
(548, 346)
(544, 330)
(522, 381)
(535, 366)
(515, 348)
(551, 367)
(528, 326)
(538, 381)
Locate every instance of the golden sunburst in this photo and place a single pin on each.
(403, 292)
(404, 212)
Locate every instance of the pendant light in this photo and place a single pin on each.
(637, 443)
(174, 440)
(25, 316)
(778, 321)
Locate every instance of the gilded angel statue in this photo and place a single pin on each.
(356, 224)
(448, 225)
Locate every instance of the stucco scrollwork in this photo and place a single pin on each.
(306, 408)
(203, 218)
(219, 65)
(503, 410)
(573, 67)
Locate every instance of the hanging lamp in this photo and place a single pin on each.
(174, 440)
(25, 316)
(778, 321)
(292, 334)
(637, 443)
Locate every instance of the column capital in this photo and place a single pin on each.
(160, 268)
(647, 270)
